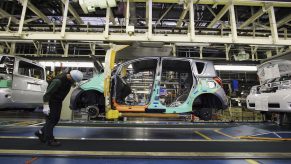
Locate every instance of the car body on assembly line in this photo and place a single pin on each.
(22, 83)
(274, 93)
(156, 85)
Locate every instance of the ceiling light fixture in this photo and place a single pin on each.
(236, 68)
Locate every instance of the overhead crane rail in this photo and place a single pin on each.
(232, 34)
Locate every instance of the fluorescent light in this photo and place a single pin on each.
(267, 46)
(191, 44)
(66, 64)
(235, 68)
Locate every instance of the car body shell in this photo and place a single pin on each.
(273, 95)
(18, 90)
(200, 86)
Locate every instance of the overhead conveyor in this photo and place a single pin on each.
(229, 33)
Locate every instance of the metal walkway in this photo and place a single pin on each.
(117, 140)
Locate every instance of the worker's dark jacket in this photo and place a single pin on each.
(58, 89)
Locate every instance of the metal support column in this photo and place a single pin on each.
(37, 46)
(227, 49)
(174, 50)
(147, 12)
(93, 48)
(273, 24)
(192, 23)
(23, 13)
(12, 48)
(127, 14)
(201, 52)
(65, 15)
(233, 23)
(106, 31)
(254, 52)
(65, 47)
(66, 51)
(150, 17)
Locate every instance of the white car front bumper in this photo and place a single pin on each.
(280, 101)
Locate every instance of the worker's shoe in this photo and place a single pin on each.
(40, 136)
(53, 142)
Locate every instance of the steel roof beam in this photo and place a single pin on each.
(38, 12)
(219, 15)
(211, 11)
(5, 14)
(182, 16)
(164, 14)
(121, 37)
(255, 17)
(74, 13)
(224, 2)
(284, 21)
(31, 20)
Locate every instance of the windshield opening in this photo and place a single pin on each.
(6, 64)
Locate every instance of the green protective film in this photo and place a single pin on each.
(5, 83)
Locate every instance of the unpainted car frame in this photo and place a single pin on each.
(203, 93)
(22, 83)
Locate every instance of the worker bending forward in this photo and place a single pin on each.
(56, 92)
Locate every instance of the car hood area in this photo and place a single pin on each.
(273, 69)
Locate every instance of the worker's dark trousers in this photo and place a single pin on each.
(52, 119)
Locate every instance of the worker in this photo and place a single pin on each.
(56, 92)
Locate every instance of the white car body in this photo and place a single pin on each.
(274, 93)
(22, 83)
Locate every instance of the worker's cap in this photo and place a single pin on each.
(76, 75)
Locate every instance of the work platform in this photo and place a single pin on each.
(152, 141)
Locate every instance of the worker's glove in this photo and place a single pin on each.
(46, 109)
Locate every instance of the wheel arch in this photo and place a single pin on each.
(81, 98)
(208, 100)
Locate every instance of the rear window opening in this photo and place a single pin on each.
(200, 67)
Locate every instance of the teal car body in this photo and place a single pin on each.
(203, 92)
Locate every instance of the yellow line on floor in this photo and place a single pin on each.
(219, 132)
(202, 135)
(23, 123)
(265, 138)
(251, 161)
